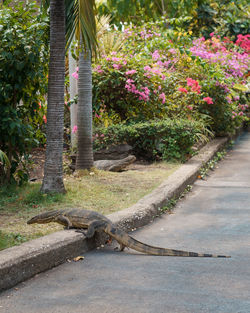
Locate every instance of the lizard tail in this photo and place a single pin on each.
(127, 241)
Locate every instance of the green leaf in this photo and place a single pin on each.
(240, 87)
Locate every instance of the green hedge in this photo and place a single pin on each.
(166, 139)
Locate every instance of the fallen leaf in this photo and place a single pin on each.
(78, 258)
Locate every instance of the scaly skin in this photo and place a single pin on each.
(94, 221)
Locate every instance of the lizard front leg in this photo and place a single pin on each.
(63, 220)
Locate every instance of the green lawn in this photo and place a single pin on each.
(105, 192)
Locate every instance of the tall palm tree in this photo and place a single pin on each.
(84, 158)
(53, 168)
(78, 12)
(81, 18)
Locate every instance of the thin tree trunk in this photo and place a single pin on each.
(53, 169)
(73, 93)
(84, 159)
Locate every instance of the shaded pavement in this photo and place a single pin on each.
(213, 218)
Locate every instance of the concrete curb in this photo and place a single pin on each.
(22, 262)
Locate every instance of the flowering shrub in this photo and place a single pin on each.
(132, 86)
(234, 63)
(243, 42)
(156, 77)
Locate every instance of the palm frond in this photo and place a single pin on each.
(108, 40)
(80, 21)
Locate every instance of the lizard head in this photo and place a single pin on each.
(43, 218)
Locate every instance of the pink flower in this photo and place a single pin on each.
(189, 107)
(98, 69)
(194, 84)
(131, 72)
(75, 75)
(173, 51)
(130, 81)
(156, 55)
(147, 68)
(74, 130)
(162, 97)
(196, 89)
(117, 66)
(115, 59)
(45, 119)
(182, 90)
(190, 81)
(98, 116)
(146, 91)
(211, 34)
(208, 100)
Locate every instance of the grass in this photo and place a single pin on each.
(105, 192)
(10, 239)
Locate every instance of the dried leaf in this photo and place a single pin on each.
(78, 258)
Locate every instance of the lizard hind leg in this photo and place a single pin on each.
(122, 246)
(95, 226)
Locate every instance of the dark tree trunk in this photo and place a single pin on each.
(53, 169)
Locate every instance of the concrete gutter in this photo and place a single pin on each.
(22, 262)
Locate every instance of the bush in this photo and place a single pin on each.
(166, 139)
(23, 71)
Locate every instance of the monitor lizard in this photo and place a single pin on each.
(94, 221)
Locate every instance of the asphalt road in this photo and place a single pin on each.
(213, 218)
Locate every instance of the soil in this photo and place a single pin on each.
(38, 159)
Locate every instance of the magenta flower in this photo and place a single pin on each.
(130, 81)
(74, 130)
(117, 66)
(156, 55)
(131, 72)
(208, 100)
(162, 96)
(98, 69)
(147, 68)
(75, 75)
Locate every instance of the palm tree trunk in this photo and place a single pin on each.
(53, 169)
(84, 159)
(73, 92)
